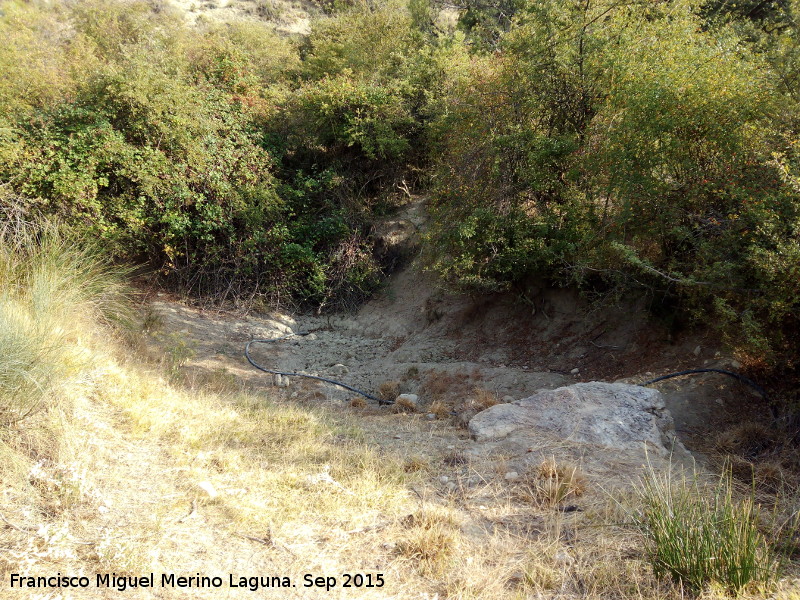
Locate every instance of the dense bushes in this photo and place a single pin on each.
(215, 155)
(612, 146)
(625, 146)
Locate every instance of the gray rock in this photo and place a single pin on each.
(612, 415)
(408, 399)
(339, 369)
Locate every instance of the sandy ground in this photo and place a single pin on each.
(443, 347)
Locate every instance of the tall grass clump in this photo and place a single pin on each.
(701, 536)
(54, 288)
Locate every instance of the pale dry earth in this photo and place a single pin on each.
(447, 349)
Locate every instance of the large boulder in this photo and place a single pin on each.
(611, 415)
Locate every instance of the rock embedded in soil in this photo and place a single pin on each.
(612, 415)
(410, 400)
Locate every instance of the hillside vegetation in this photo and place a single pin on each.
(609, 145)
(113, 464)
(646, 148)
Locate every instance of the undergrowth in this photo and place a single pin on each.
(109, 462)
(701, 535)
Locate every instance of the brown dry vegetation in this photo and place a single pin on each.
(146, 466)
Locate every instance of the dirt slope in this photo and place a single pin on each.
(444, 346)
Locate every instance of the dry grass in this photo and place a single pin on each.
(430, 539)
(758, 455)
(551, 483)
(388, 391)
(748, 440)
(404, 405)
(416, 463)
(445, 386)
(136, 469)
(483, 398)
(439, 409)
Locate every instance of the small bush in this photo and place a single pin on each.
(699, 536)
(388, 391)
(430, 540)
(551, 483)
(52, 286)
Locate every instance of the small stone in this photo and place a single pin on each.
(507, 399)
(451, 447)
(210, 491)
(430, 417)
(398, 436)
(511, 476)
(575, 371)
(562, 558)
(735, 364)
(720, 401)
(407, 400)
(525, 367)
(697, 351)
(444, 479)
(482, 507)
(339, 369)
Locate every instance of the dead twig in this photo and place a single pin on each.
(190, 513)
(17, 527)
(267, 541)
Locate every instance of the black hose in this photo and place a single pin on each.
(737, 376)
(286, 374)
(741, 378)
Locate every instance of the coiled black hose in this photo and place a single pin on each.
(287, 374)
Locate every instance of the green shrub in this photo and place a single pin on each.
(377, 41)
(55, 288)
(620, 148)
(214, 155)
(700, 536)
